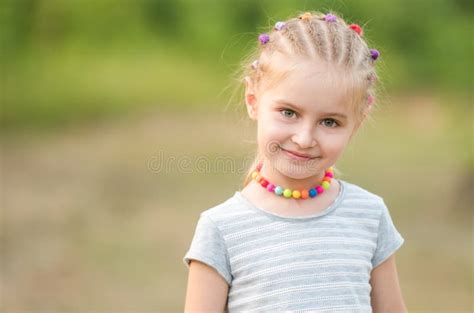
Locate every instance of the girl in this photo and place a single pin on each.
(296, 238)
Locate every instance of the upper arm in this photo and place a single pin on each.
(206, 291)
(386, 295)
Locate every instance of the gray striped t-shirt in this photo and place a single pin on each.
(316, 263)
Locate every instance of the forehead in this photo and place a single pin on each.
(311, 86)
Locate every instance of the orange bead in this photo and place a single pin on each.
(328, 179)
(305, 16)
(304, 194)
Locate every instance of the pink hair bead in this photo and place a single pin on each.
(370, 99)
(319, 189)
(329, 174)
(372, 77)
(271, 187)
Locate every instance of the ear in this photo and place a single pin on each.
(250, 98)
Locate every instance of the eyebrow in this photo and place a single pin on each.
(286, 103)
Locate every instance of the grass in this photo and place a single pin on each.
(54, 89)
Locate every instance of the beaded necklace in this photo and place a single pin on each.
(295, 194)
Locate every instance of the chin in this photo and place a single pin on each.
(297, 169)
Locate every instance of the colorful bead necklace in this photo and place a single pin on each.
(295, 194)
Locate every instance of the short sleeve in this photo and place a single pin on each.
(208, 246)
(388, 239)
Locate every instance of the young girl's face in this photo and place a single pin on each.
(306, 113)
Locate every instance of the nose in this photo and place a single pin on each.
(304, 138)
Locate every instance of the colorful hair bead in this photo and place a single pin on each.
(374, 54)
(279, 25)
(305, 16)
(255, 64)
(372, 77)
(264, 38)
(370, 99)
(330, 18)
(357, 29)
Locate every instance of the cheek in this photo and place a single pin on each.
(270, 138)
(270, 129)
(334, 144)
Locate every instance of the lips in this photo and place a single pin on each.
(299, 154)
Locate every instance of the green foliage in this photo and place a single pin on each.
(50, 43)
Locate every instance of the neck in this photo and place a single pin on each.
(278, 179)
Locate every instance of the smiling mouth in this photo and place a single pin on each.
(298, 156)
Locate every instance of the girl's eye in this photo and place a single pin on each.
(333, 123)
(288, 113)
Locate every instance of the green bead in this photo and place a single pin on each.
(325, 185)
(287, 193)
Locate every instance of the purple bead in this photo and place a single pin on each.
(279, 25)
(313, 193)
(330, 18)
(320, 189)
(264, 38)
(374, 54)
(271, 187)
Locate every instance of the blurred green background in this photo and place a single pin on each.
(96, 93)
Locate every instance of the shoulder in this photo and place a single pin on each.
(359, 195)
(370, 206)
(353, 190)
(226, 211)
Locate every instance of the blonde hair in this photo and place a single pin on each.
(310, 36)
